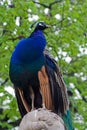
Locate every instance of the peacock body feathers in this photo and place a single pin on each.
(27, 59)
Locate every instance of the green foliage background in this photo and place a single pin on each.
(67, 42)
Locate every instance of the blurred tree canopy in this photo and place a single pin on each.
(66, 41)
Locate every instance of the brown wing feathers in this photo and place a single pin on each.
(52, 89)
(45, 88)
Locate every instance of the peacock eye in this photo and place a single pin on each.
(40, 24)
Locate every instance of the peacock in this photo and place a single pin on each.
(36, 76)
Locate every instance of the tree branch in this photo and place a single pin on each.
(47, 6)
(5, 81)
(83, 97)
(19, 37)
(51, 4)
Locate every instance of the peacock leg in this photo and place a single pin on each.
(43, 101)
(32, 98)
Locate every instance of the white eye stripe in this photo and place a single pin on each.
(40, 24)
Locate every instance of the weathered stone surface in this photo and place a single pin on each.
(41, 120)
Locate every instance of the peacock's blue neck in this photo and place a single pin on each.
(29, 49)
(37, 33)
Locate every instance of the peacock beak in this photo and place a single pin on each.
(48, 26)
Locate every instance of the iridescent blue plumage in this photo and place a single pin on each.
(29, 49)
(27, 59)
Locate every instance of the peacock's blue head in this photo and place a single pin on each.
(40, 26)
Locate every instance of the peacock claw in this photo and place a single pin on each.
(33, 109)
(39, 109)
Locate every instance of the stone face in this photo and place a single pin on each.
(41, 119)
